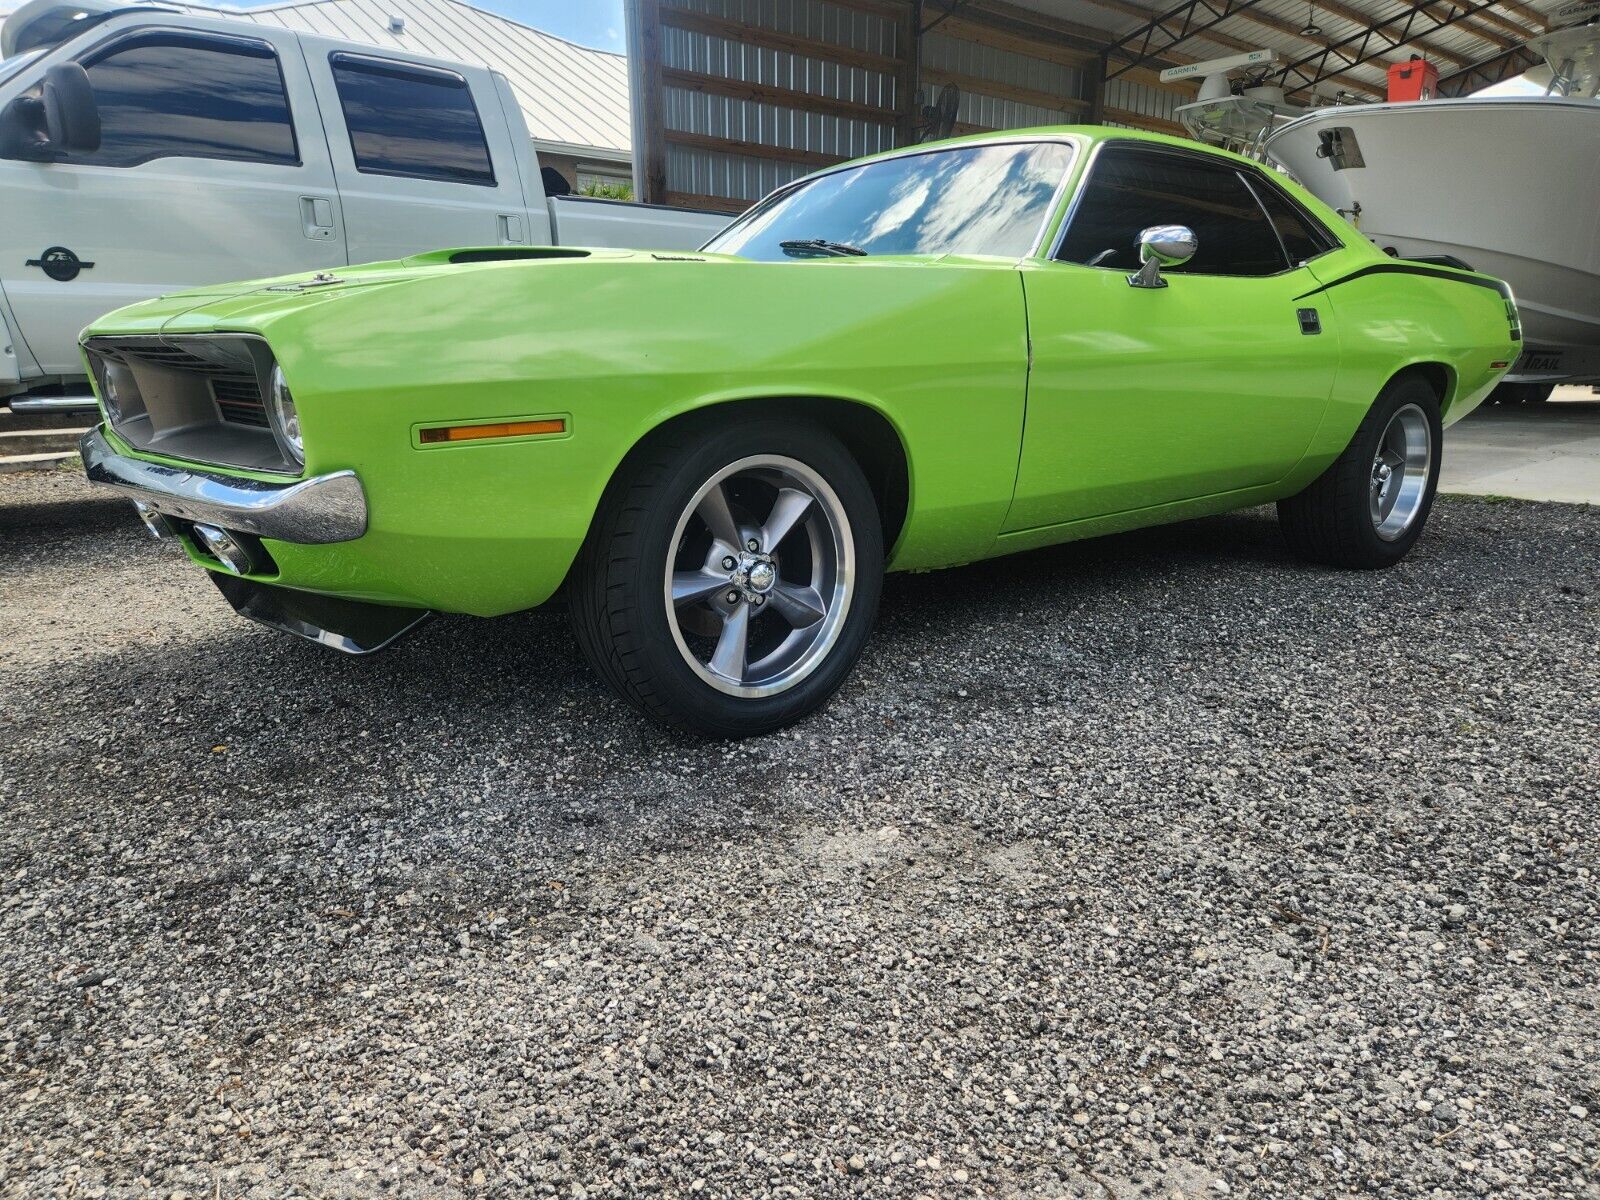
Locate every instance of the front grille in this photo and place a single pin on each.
(239, 401)
(194, 396)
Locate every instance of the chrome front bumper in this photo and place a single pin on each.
(313, 512)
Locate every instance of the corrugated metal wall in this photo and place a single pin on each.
(942, 52)
(706, 172)
(751, 94)
(1142, 98)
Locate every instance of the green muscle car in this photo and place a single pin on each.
(933, 356)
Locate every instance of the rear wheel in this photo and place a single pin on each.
(1369, 507)
(732, 576)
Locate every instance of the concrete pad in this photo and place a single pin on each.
(1535, 452)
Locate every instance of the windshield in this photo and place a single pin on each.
(12, 65)
(981, 199)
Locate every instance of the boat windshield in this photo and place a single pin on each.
(9, 67)
(990, 198)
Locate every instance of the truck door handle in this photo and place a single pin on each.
(316, 215)
(510, 230)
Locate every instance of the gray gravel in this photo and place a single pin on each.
(1156, 866)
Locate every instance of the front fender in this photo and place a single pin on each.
(622, 346)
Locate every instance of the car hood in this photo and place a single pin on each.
(247, 304)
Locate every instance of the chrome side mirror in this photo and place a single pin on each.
(1162, 246)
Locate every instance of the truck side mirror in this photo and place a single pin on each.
(50, 122)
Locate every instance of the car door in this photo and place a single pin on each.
(421, 151)
(212, 167)
(1216, 382)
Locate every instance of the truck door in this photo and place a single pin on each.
(421, 150)
(212, 167)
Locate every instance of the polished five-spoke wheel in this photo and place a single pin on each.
(732, 575)
(760, 580)
(1401, 470)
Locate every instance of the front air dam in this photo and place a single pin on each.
(348, 626)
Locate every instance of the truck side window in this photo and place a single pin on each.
(412, 121)
(183, 95)
(1130, 189)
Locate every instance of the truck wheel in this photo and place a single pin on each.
(1368, 508)
(731, 577)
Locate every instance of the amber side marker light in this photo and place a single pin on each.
(1495, 366)
(478, 433)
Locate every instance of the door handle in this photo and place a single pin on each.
(511, 230)
(316, 217)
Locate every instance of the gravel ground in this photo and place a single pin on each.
(1155, 866)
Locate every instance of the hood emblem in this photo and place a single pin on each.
(320, 279)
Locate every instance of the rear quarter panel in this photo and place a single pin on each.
(1391, 317)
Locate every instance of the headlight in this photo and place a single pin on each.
(118, 392)
(285, 418)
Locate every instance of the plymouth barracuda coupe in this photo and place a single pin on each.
(933, 356)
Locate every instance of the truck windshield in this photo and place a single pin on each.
(978, 199)
(12, 65)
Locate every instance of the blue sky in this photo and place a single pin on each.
(596, 23)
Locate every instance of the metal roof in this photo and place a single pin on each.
(1485, 30)
(575, 99)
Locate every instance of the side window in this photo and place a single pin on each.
(180, 95)
(1303, 236)
(415, 122)
(1131, 188)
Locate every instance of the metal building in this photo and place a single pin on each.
(737, 96)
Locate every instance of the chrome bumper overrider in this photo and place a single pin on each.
(328, 508)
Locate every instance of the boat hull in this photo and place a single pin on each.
(1504, 184)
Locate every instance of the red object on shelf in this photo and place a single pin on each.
(1414, 80)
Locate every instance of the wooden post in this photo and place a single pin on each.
(653, 154)
(1096, 71)
(908, 119)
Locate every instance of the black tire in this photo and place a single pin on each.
(616, 590)
(1331, 521)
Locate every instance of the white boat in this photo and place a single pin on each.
(1509, 185)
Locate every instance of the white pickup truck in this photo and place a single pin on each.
(145, 150)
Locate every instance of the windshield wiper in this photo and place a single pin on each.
(820, 248)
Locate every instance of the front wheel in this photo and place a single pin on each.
(732, 576)
(1368, 509)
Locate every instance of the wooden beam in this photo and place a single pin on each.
(1266, 21)
(726, 204)
(889, 10)
(760, 93)
(1000, 39)
(653, 154)
(1143, 121)
(1097, 92)
(1006, 91)
(908, 75)
(1517, 33)
(1527, 12)
(722, 145)
(770, 39)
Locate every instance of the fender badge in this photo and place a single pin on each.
(60, 264)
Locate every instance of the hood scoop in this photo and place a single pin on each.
(512, 254)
